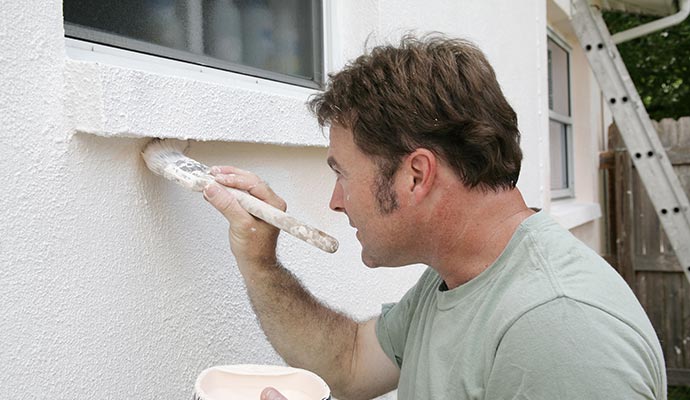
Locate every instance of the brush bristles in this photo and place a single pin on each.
(166, 158)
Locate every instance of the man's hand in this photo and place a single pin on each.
(271, 394)
(251, 239)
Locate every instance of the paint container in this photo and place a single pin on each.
(245, 382)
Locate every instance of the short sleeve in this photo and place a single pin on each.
(393, 324)
(565, 349)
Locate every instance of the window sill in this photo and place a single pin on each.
(570, 213)
(117, 93)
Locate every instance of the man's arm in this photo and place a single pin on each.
(307, 334)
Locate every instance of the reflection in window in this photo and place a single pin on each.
(275, 39)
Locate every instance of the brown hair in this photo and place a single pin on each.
(432, 92)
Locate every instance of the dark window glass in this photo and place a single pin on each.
(274, 39)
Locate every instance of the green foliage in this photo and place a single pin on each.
(658, 63)
(678, 393)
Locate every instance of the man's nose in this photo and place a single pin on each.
(336, 203)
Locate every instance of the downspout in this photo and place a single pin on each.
(655, 25)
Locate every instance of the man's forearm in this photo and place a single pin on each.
(303, 331)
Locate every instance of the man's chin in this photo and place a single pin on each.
(370, 263)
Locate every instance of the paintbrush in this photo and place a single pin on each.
(166, 158)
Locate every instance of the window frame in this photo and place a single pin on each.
(563, 120)
(79, 33)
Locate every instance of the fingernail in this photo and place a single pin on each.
(215, 170)
(225, 177)
(211, 191)
(220, 178)
(270, 394)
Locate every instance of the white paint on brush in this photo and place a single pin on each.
(166, 158)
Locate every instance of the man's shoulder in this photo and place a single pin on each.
(553, 263)
(566, 339)
(548, 263)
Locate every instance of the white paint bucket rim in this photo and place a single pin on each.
(215, 382)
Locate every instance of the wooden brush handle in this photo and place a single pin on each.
(284, 222)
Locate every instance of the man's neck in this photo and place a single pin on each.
(473, 228)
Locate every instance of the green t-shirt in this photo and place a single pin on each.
(549, 319)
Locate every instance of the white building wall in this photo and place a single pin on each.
(115, 283)
(581, 213)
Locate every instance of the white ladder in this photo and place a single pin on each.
(637, 132)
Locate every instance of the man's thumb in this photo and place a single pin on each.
(271, 394)
(221, 199)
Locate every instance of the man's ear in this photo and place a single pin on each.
(422, 167)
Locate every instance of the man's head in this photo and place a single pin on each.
(435, 93)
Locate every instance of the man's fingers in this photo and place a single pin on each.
(250, 238)
(225, 202)
(241, 179)
(227, 169)
(271, 394)
(253, 185)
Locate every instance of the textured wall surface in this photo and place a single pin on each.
(114, 282)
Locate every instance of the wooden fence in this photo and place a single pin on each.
(639, 248)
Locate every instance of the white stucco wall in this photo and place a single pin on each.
(115, 283)
(581, 213)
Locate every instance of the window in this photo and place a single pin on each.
(274, 39)
(560, 120)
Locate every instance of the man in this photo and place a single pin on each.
(425, 149)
